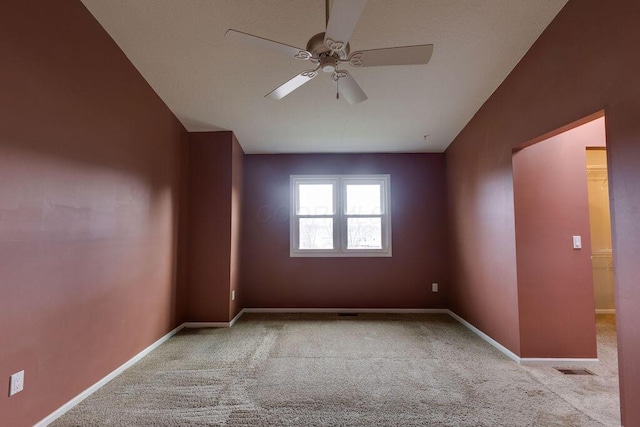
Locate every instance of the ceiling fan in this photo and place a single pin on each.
(330, 50)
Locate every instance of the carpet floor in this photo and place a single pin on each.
(330, 370)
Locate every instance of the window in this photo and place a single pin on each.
(336, 216)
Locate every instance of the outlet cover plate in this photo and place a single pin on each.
(17, 383)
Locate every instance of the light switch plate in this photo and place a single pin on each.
(577, 242)
(434, 287)
(233, 295)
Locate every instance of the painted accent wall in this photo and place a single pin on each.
(215, 193)
(555, 281)
(89, 191)
(237, 173)
(271, 278)
(585, 61)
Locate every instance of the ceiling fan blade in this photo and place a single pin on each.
(266, 44)
(342, 21)
(405, 55)
(349, 88)
(291, 85)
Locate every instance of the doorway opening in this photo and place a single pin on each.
(602, 257)
(600, 228)
(564, 262)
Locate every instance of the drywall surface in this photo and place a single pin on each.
(555, 281)
(237, 173)
(209, 238)
(271, 278)
(585, 61)
(89, 180)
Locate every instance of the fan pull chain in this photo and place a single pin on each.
(337, 89)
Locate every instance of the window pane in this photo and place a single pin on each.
(364, 233)
(315, 199)
(363, 199)
(316, 233)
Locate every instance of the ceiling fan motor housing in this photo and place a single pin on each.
(318, 49)
(328, 64)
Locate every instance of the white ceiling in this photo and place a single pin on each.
(212, 84)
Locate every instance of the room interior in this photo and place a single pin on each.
(551, 199)
(122, 221)
(600, 228)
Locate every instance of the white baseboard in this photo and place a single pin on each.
(558, 363)
(235, 319)
(206, 324)
(528, 361)
(214, 324)
(511, 355)
(350, 310)
(88, 392)
(605, 311)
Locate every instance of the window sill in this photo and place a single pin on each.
(332, 254)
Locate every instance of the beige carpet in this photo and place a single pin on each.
(370, 370)
(597, 395)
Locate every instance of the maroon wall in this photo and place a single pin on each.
(89, 179)
(209, 238)
(237, 172)
(586, 60)
(623, 151)
(271, 278)
(555, 281)
(213, 242)
(183, 231)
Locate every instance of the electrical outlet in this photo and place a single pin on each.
(17, 383)
(233, 295)
(434, 287)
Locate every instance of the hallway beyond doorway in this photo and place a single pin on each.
(597, 396)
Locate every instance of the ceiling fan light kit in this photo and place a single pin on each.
(330, 50)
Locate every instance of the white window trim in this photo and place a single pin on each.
(340, 218)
